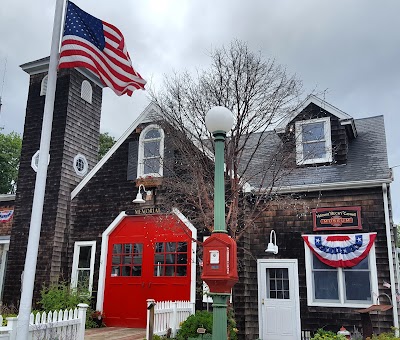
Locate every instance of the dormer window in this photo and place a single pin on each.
(313, 141)
(151, 152)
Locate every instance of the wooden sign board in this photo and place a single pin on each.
(338, 218)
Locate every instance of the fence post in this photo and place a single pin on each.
(12, 322)
(82, 307)
(174, 318)
(150, 319)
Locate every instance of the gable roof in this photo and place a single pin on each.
(344, 118)
(144, 117)
(367, 162)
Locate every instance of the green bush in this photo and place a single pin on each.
(384, 336)
(204, 319)
(327, 335)
(189, 327)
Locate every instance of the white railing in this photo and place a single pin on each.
(168, 316)
(61, 325)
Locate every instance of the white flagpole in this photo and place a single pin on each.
(40, 184)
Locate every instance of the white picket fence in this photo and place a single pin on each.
(169, 315)
(60, 325)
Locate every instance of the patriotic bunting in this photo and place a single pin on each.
(6, 215)
(340, 250)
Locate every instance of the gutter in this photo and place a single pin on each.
(329, 186)
(390, 257)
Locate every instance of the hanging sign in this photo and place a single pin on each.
(339, 218)
(340, 250)
(6, 215)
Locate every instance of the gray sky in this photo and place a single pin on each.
(350, 48)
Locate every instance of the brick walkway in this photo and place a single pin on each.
(114, 333)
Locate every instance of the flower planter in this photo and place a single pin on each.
(149, 182)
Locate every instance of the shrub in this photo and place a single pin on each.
(327, 335)
(384, 336)
(189, 327)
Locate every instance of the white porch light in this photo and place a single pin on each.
(219, 119)
(139, 197)
(272, 247)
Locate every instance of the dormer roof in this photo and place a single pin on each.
(344, 118)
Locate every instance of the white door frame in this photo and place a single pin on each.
(293, 279)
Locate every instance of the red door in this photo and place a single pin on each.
(148, 258)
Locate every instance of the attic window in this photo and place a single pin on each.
(313, 141)
(80, 165)
(151, 152)
(43, 86)
(86, 91)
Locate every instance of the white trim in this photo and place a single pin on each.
(140, 164)
(75, 262)
(104, 249)
(295, 279)
(7, 197)
(341, 302)
(301, 159)
(148, 111)
(3, 264)
(390, 257)
(322, 104)
(330, 186)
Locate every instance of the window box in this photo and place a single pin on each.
(149, 182)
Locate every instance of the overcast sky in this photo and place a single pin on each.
(350, 48)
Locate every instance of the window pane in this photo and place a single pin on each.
(358, 285)
(137, 271)
(364, 264)
(83, 279)
(317, 264)
(314, 150)
(84, 256)
(151, 149)
(326, 285)
(313, 132)
(117, 248)
(152, 166)
(116, 260)
(153, 133)
(126, 270)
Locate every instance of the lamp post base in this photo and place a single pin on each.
(220, 325)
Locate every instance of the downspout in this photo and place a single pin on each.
(390, 257)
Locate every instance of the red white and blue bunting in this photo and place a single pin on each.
(340, 250)
(6, 215)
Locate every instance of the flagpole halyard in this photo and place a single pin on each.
(28, 280)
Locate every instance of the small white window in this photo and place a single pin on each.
(35, 161)
(341, 287)
(313, 141)
(43, 86)
(80, 165)
(86, 91)
(83, 265)
(151, 152)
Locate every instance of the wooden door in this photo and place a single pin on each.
(148, 258)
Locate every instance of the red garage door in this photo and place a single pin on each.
(148, 258)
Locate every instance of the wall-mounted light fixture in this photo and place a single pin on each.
(139, 196)
(272, 247)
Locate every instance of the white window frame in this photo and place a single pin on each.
(81, 172)
(43, 85)
(341, 286)
(300, 157)
(140, 168)
(75, 262)
(86, 91)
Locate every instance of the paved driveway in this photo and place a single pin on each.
(114, 333)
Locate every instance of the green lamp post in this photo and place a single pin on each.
(219, 271)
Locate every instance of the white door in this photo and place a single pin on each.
(278, 300)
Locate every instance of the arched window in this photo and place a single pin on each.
(43, 86)
(151, 152)
(86, 91)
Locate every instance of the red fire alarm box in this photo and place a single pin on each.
(220, 263)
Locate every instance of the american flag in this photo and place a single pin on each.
(96, 45)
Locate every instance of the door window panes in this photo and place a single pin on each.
(277, 283)
(170, 259)
(127, 259)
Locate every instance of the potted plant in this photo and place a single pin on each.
(98, 317)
